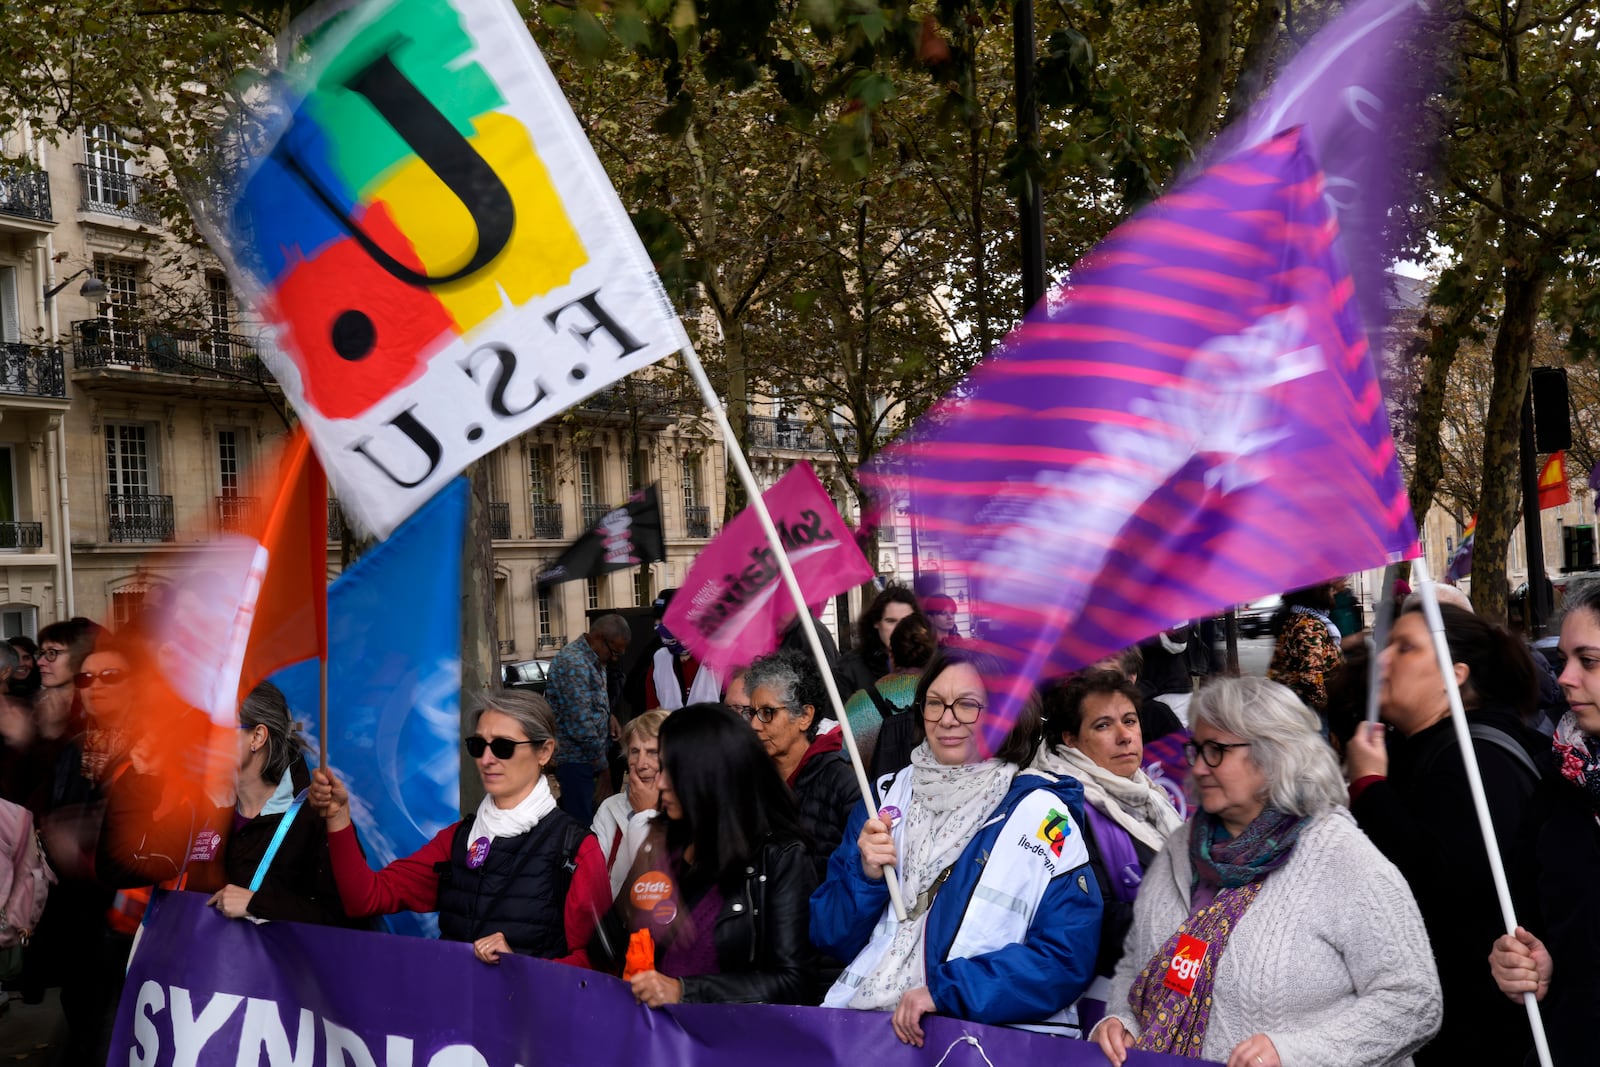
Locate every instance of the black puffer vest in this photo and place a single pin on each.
(520, 891)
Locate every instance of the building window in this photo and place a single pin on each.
(544, 610)
(588, 478)
(641, 587)
(120, 308)
(228, 462)
(541, 483)
(128, 466)
(19, 622)
(105, 176)
(126, 604)
(638, 469)
(219, 302)
(691, 480)
(592, 587)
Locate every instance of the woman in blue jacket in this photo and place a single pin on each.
(1003, 912)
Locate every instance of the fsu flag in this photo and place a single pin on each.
(1192, 421)
(1553, 491)
(732, 606)
(625, 537)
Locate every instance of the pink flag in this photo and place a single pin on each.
(732, 607)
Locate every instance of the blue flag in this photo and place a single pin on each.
(394, 683)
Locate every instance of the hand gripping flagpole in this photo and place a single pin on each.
(1458, 715)
(790, 582)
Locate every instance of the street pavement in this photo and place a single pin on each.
(29, 1032)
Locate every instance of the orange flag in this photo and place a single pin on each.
(1553, 491)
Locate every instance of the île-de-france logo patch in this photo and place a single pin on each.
(405, 205)
(1054, 830)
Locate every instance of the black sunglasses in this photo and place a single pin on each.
(110, 676)
(502, 747)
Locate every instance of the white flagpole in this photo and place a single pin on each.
(1383, 612)
(1458, 715)
(807, 624)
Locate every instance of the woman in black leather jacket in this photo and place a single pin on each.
(723, 882)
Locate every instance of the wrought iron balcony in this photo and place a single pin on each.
(697, 520)
(499, 520)
(593, 513)
(138, 517)
(335, 520)
(15, 535)
(236, 513)
(24, 191)
(111, 192)
(32, 370)
(547, 525)
(769, 432)
(135, 345)
(647, 399)
(552, 641)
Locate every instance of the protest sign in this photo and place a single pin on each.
(624, 537)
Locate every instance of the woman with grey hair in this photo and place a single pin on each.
(1269, 930)
(786, 702)
(518, 876)
(275, 863)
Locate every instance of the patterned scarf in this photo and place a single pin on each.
(1260, 849)
(1577, 759)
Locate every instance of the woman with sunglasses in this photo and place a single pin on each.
(1003, 912)
(518, 876)
(1269, 930)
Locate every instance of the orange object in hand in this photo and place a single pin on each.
(641, 955)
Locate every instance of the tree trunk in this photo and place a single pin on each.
(1213, 21)
(1525, 283)
(1439, 353)
(1253, 70)
(738, 399)
(480, 659)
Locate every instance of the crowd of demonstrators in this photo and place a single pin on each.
(622, 819)
(1092, 733)
(1308, 648)
(519, 876)
(1415, 805)
(787, 704)
(1556, 857)
(580, 700)
(870, 659)
(1269, 930)
(1002, 911)
(911, 646)
(717, 892)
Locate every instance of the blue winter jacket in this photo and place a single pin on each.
(1025, 982)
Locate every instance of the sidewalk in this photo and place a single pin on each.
(29, 1033)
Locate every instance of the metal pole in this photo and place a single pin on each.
(1537, 606)
(1029, 206)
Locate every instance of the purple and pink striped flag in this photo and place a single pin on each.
(1192, 421)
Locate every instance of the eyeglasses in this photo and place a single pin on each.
(966, 710)
(502, 747)
(49, 654)
(111, 676)
(764, 714)
(741, 710)
(1211, 751)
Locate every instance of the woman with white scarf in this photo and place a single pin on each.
(1091, 733)
(518, 876)
(1003, 912)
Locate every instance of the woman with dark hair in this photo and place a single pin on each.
(1003, 912)
(721, 882)
(1092, 733)
(25, 678)
(1415, 805)
(786, 702)
(869, 660)
(911, 646)
(1307, 649)
(1552, 955)
(519, 876)
(275, 863)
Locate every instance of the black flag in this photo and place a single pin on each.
(624, 537)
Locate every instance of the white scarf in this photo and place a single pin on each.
(946, 807)
(493, 822)
(1136, 804)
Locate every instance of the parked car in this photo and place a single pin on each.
(1255, 618)
(531, 674)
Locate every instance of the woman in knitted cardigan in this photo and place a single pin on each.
(1269, 932)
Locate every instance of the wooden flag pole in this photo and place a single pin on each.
(1458, 715)
(807, 624)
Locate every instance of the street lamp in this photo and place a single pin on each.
(93, 290)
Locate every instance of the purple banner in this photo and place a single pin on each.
(1192, 421)
(208, 991)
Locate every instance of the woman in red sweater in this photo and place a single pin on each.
(518, 876)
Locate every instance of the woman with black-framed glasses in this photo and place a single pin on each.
(519, 876)
(1003, 911)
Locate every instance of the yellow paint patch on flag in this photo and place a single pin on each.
(544, 250)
